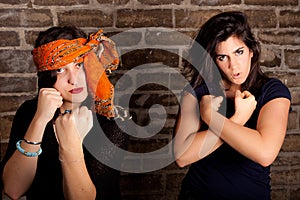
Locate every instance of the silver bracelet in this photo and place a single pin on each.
(34, 143)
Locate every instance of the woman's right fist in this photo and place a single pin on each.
(49, 100)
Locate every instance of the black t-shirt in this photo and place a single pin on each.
(225, 173)
(47, 183)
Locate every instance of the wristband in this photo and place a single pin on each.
(27, 153)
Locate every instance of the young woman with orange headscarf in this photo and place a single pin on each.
(46, 158)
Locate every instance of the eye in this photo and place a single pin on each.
(239, 52)
(221, 58)
(60, 70)
(79, 65)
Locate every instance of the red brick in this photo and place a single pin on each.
(3, 147)
(279, 177)
(293, 121)
(25, 18)
(147, 145)
(295, 194)
(126, 38)
(15, 2)
(117, 2)
(272, 2)
(31, 36)
(144, 18)
(292, 59)
(166, 39)
(279, 194)
(142, 183)
(9, 38)
(85, 18)
(289, 18)
(60, 3)
(5, 126)
(267, 18)
(215, 3)
(286, 160)
(193, 19)
(290, 79)
(160, 2)
(291, 143)
(174, 181)
(12, 103)
(148, 55)
(280, 38)
(17, 84)
(16, 61)
(270, 57)
(295, 97)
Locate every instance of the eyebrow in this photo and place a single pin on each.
(232, 52)
(239, 49)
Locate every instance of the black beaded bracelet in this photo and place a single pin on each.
(34, 143)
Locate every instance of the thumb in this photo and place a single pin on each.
(238, 94)
(219, 99)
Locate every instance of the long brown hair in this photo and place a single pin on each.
(218, 29)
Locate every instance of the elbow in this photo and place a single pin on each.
(179, 160)
(180, 163)
(266, 163)
(94, 193)
(265, 160)
(183, 159)
(11, 193)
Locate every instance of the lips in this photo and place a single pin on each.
(236, 75)
(76, 90)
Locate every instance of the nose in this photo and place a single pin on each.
(233, 63)
(73, 76)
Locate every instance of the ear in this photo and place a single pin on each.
(251, 53)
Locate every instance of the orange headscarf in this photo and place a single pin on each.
(104, 57)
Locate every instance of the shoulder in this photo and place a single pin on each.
(26, 111)
(27, 108)
(197, 91)
(273, 89)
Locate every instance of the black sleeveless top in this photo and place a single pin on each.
(225, 173)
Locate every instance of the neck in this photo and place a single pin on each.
(230, 89)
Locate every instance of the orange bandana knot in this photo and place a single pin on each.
(104, 57)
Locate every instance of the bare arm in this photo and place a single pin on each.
(261, 145)
(70, 131)
(191, 145)
(19, 171)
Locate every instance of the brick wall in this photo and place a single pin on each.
(134, 25)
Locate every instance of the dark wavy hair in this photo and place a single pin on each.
(47, 79)
(218, 29)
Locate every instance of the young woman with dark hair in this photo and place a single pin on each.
(46, 157)
(230, 152)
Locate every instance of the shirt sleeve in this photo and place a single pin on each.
(274, 89)
(198, 91)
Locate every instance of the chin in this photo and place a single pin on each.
(238, 81)
(77, 99)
